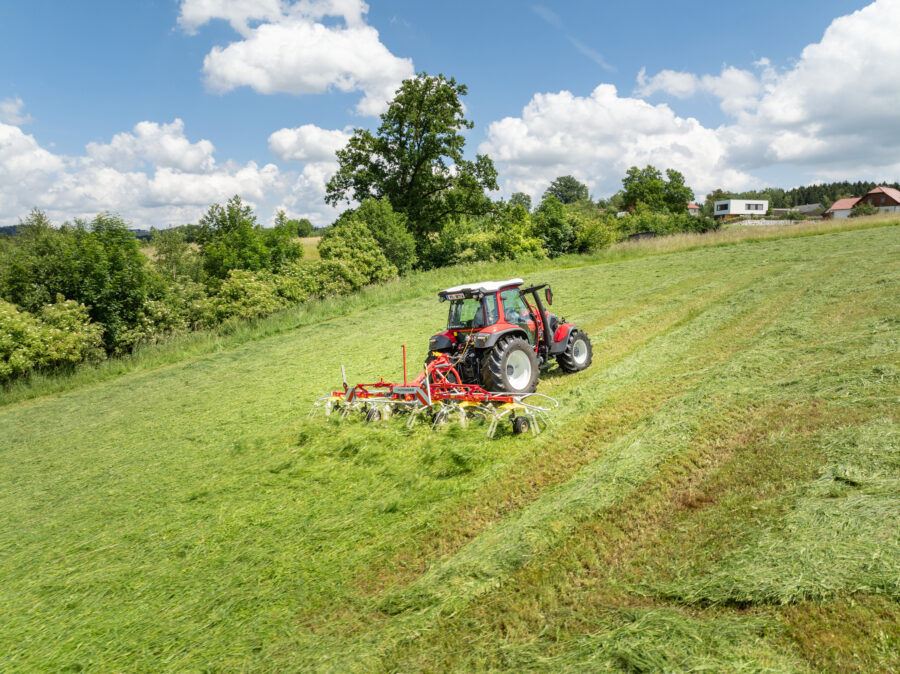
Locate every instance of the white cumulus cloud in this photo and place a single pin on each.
(290, 49)
(308, 143)
(152, 176)
(163, 145)
(12, 111)
(597, 137)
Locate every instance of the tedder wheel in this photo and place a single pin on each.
(578, 353)
(510, 367)
(373, 414)
(520, 425)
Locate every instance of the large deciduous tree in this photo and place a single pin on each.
(567, 190)
(415, 159)
(647, 186)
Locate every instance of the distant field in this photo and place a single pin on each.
(720, 490)
(310, 247)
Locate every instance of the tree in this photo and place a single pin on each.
(567, 190)
(302, 227)
(644, 186)
(98, 265)
(230, 239)
(647, 186)
(415, 159)
(521, 199)
(553, 226)
(173, 256)
(677, 194)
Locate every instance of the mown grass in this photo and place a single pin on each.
(737, 429)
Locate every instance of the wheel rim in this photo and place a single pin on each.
(579, 351)
(518, 370)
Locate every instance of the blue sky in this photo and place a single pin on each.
(157, 108)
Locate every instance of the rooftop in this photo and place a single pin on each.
(483, 287)
(843, 204)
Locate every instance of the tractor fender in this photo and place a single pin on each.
(486, 340)
(561, 338)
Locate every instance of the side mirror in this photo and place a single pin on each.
(548, 294)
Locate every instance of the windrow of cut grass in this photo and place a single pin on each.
(189, 516)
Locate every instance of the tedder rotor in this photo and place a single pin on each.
(484, 366)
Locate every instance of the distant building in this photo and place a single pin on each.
(841, 208)
(693, 208)
(885, 199)
(733, 208)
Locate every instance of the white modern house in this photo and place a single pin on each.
(732, 208)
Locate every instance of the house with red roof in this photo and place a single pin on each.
(841, 208)
(885, 199)
(693, 208)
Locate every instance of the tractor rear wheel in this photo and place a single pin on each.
(578, 353)
(510, 367)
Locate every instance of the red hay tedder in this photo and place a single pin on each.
(485, 365)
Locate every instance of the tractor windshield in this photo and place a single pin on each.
(473, 313)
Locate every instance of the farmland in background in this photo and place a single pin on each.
(310, 247)
(719, 490)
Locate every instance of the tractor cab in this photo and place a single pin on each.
(484, 306)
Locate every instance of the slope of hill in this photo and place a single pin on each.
(720, 490)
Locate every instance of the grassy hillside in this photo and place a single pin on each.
(720, 490)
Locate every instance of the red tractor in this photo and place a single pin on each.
(499, 335)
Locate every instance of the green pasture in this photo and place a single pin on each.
(719, 491)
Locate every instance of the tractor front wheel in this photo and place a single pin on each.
(578, 353)
(510, 367)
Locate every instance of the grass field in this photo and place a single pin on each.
(720, 491)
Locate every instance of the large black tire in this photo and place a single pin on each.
(510, 367)
(578, 354)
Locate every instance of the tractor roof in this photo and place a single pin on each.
(481, 288)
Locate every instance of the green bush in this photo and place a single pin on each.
(62, 336)
(389, 229)
(304, 281)
(862, 208)
(98, 265)
(247, 294)
(662, 224)
(553, 226)
(593, 232)
(505, 235)
(349, 241)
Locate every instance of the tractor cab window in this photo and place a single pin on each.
(517, 311)
(473, 313)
